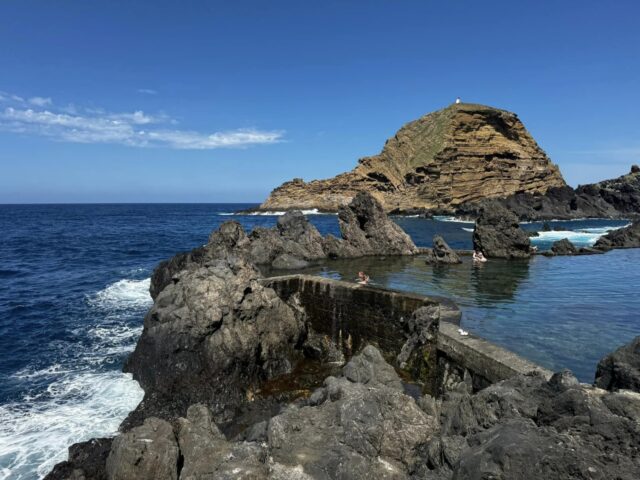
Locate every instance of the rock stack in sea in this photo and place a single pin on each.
(497, 234)
(463, 153)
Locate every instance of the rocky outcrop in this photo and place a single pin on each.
(441, 253)
(361, 425)
(497, 234)
(463, 153)
(563, 247)
(628, 237)
(366, 230)
(620, 369)
(210, 336)
(357, 426)
(294, 242)
(86, 460)
(616, 198)
(145, 452)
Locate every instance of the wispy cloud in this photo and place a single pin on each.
(147, 91)
(135, 129)
(40, 101)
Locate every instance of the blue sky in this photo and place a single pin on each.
(167, 101)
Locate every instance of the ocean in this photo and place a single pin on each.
(74, 285)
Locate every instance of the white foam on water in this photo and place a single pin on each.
(277, 213)
(79, 399)
(123, 294)
(447, 218)
(35, 435)
(468, 229)
(582, 237)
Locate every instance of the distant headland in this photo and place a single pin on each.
(454, 160)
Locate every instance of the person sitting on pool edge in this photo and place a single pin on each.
(478, 256)
(363, 279)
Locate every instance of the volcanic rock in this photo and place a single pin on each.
(620, 369)
(86, 460)
(563, 247)
(366, 230)
(206, 453)
(615, 198)
(463, 153)
(441, 253)
(628, 237)
(353, 430)
(498, 234)
(210, 335)
(147, 452)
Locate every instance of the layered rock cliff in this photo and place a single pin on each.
(463, 153)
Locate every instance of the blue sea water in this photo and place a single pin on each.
(74, 289)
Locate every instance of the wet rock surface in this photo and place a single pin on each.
(441, 253)
(497, 234)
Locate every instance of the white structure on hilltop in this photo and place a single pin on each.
(458, 100)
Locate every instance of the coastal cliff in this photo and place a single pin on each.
(460, 154)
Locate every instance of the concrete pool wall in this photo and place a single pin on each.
(354, 315)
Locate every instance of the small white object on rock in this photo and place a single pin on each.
(462, 332)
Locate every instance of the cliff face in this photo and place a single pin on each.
(462, 153)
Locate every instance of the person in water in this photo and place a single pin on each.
(363, 279)
(478, 256)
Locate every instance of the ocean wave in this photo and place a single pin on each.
(581, 237)
(468, 229)
(278, 213)
(123, 294)
(448, 218)
(35, 433)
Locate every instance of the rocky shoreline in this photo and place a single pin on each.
(218, 337)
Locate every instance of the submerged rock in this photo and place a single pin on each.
(497, 234)
(441, 253)
(620, 369)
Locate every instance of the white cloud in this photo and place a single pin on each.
(136, 129)
(147, 91)
(40, 101)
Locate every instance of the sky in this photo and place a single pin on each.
(206, 101)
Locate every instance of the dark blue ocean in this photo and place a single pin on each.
(74, 289)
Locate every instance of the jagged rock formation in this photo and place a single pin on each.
(616, 198)
(628, 237)
(497, 234)
(621, 369)
(441, 253)
(294, 242)
(563, 247)
(361, 425)
(210, 337)
(463, 153)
